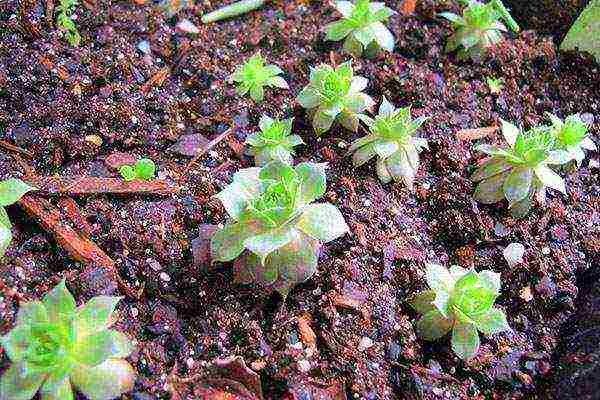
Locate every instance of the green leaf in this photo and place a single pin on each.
(384, 148)
(62, 391)
(20, 382)
(94, 349)
(95, 315)
(363, 154)
(322, 221)
(490, 190)
(228, 243)
(59, 303)
(127, 173)
(346, 8)
(278, 82)
(4, 220)
(383, 36)
(32, 312)
(145, 169)
(550, 178)
(322, 121)
(584, 33)
(5, 239)
(264, 244)
(105, 381)
(11, 191)
(309, 98)
(451, 17)
(337, 30)
(433, 325)
(257, 92)
(438, 278)
(465, 340)
(472, 295)
(493, 322)
(353, 46)
(510, 132)
(490, 168)
(517, 185)
(312, 182)
(423, 302)
(245, 187)
(122, 345)
(491, 280)
(16, 342)
(297, 262)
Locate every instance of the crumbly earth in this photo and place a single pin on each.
(57, 100)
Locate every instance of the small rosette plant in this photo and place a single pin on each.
(11, 191)
(478, 28)
(461, 301)
(571, 136)
(254, 75)
(392, 140)
(362, 27)
(276, 230)
(274, 141)
(521, 171)
(144, 169)
(335, 94)
(56, 348)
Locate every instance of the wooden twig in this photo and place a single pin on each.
(80, 248)
(477, 133)
(206, 148)
(16, 149)
(83, 185)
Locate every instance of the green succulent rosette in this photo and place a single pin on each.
(274, 141)
(254, 75)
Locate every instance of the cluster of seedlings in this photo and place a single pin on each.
(276, 226)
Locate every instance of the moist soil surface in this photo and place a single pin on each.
(138, 84)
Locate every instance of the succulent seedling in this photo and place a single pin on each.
(274, 141)
(392, 140)
(232, 10)
(65, 21)
(461, 301)
(520, 171)
(11, 191)
(478, 28)
(335, 94)
(254, 75)
(56, 348)
(571, 136)
(362, 27)
(144, 169)
(275, 230)
(495, 85)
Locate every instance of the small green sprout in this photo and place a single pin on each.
(335, 94)
(478, 28)
(56, 347)
(274, 141)
(521, 170)
(362, 27)
(495, 85)
(571, 136)
(392, 140)
(232, 10)
(11, 191)
(462, 301)
(144, 169)
(254, 75)
(65, 21)
(276, 230)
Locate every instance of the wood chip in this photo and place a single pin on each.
(156, 80)
(83, 185)
(409, 6)
(307, 335)
(474, 134)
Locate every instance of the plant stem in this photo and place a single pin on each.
(512, 24)
(232, 10)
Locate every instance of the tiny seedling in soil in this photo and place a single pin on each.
(495, 85)
(520, 171)
(56, 347)
(232, 10)
(571, 136)
(144, 169)
(461, 301)
(478, 28)
(275, 230)
(274, 141)
(254, 75)
(335, 94)
(65, 21)
(11, 191)
(392, 140)
(362, 28)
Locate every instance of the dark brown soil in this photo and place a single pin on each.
(52, 96)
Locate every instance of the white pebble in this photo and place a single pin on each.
(513, 254)
(365, 343)
(165, 277)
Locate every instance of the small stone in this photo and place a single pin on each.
(190, 362)
(365, 343)
(155, 265)
(165, 277)
(258, 365)
(185, 25)
(144, 47)
(545, 250)
(513, 254)
(94, 139)
(500, 230)
(304, 366)
(134, 312)
(526, 294)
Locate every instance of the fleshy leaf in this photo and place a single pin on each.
(492, 167)
(95, 315)
(433, 325)
(322, 221)
(5, 239)
(228, 243)
(59, 303)
(423, 302)
(490, 191)
(510, 132)
(550, 178)
(517, 184)
(20, 383)
(493, 322)
(11, 191)
(105, 381)
(438, 278)
(32, 312)
(313, 182)
(264, 244)
(465, 340)
(60, 391)
(94, 348)
(16, 342)
(245, 186)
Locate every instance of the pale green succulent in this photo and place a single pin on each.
(478, 28)
(362, 27)
(571, 136)
(335, 94)
(11, 191)
(274, 141)
(56, 348)
(392, 140)
(461, 301)
(520, 172)
(254, 75)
